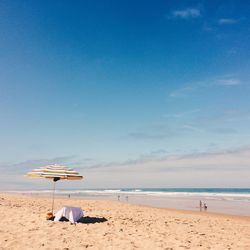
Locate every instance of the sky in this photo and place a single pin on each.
(133, 93)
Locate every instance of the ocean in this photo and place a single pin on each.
(212, 193)
(235, 201)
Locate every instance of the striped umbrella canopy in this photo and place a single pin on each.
(55, 173)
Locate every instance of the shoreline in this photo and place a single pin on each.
(110, 198)
(187, 203)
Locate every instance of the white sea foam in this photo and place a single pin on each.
(139, 192)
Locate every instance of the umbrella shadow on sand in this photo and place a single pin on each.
(86, 220)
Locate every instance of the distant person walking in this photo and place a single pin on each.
(205, 206)
(118, 197)
(200, 205)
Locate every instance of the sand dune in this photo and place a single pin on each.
(116, 225)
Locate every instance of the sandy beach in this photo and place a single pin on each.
(116, 225)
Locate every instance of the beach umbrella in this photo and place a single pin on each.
(55, 173)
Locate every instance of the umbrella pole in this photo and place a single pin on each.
(53, 194)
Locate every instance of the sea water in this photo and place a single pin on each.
(234, 201)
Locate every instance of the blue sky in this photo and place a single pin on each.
(106, 85)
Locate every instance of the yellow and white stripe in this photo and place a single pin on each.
(55, 171)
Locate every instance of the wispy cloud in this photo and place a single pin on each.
(186, 13)
(213, 26)
(219, 130)
(23, 167)
(228, 81)
(234, 157)
(184, 91)
(190, 88)
(192, 128)
(199, 168)
(148, 135)
(191, 122)
(227, 21)
(182, 114)
(223, 122)
(235, 115)
(225, 131)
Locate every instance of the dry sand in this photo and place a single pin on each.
(23, 226)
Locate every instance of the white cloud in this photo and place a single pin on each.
(181, 114)
(228, 82)
(219, 168)
(182, 92)
(187, 13)
(234, 157)
(229, 167)
(192, 128)
(188, 89)
(227, 21)
(148, 135)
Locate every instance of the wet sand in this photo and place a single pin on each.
(220, 205)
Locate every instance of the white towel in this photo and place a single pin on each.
(73, 214)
